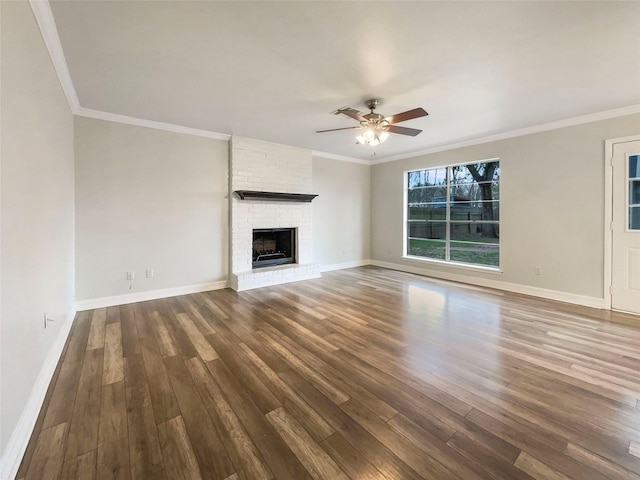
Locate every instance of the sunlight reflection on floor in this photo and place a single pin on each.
(440, 319)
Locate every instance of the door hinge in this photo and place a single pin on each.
(611, 290)
(611, 161)
(611, 226)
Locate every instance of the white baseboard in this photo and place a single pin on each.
(576, 299)
(342, 266)
(21, 434)
(148, 295)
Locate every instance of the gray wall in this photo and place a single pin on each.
(341, 212)
(36, 209)
(148, 199)
(552, 206)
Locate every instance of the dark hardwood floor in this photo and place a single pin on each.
(364, 374)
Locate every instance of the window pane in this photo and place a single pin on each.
(475, 253)
(634, 218)
(427, 248)
(475, 211)
(415, 179)
(430, 230)
(427, 195)
(475, 172)
(476, 191)
(634, 166)
(441, 177)
(422, 178)
(475, 232)
(427, 212)
(461, 174)
(634, 192)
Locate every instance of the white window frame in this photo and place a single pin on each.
(628, 193)
(405, 220)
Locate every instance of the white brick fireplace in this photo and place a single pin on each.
(268, 167)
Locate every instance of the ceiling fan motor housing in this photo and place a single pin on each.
(372, 104)
(374, 121)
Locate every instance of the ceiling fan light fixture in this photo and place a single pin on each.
(375, 128)
(373, 135)
(369, 134)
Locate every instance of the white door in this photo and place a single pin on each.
(625, 242)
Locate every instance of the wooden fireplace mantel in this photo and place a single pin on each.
(280, 196)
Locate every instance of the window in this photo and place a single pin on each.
(634, 192)
(453, 213)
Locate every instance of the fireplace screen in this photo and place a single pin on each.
(274, 246)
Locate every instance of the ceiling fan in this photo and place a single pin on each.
(376, 127)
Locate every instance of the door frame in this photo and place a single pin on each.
(608, 213)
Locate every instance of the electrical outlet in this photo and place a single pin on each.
(45, 319)
(131, 275)
(538, 270)
(149, 272)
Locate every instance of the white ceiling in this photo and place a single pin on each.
(275, 70)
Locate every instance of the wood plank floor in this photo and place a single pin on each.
(364, 374)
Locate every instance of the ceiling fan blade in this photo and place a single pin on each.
(408, 115)
(336, 129)
(404, 130)
(353, 113)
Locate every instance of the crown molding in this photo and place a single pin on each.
(47, 25)
(141, 122)
(567, 122)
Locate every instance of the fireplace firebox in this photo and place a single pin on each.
(273, 246)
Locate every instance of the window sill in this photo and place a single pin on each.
(460, 266)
